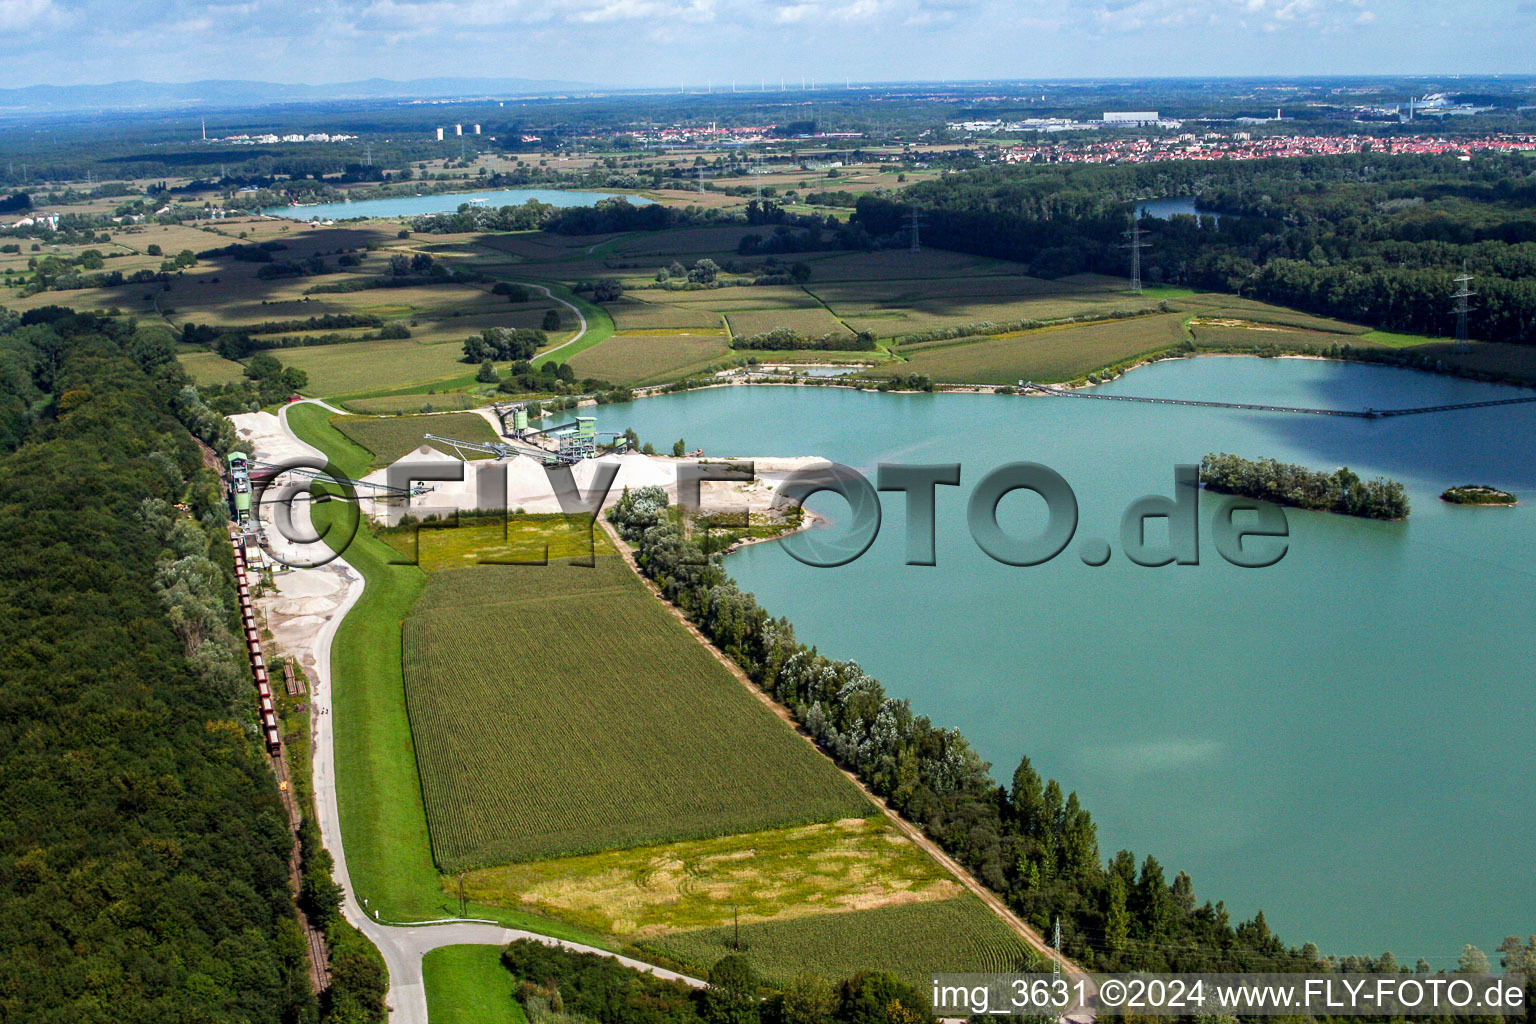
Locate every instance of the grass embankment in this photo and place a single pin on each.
(388, 438)
(560, 710)
(468, 985)
(312, 423)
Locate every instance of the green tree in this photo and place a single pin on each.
(262, 366)
(551, 320)
(810, 1000)
(876, 997)
(679, 449)
(487, 373)
(732, 994)
(1117, 921)
(1472, 961)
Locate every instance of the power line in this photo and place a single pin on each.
(1135, 245)
(914, 226)
(1462, 294)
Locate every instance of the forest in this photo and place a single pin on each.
(144, 862)
(1363, 237)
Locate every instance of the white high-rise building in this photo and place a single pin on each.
(475, 129)
(458, 129)
(439, 135)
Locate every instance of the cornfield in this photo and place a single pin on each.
(561, 710)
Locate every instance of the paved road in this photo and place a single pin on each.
(402, 946)
(580, 319)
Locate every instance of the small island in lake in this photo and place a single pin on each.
(1478, 494)
(1285, 483)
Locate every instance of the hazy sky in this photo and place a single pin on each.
(660, 42)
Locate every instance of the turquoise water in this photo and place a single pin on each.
(447, 202)
(1342, 740)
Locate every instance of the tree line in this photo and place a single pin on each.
(560, 986)
(1364, 237)
(1028, 841)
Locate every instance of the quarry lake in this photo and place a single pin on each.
(446, 202)
(1166, 207)
(1342, 740)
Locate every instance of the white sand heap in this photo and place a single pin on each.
(522, 482)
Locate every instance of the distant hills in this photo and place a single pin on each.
(139, 95)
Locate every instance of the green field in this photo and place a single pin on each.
(560, 710)
(644, 359)
(365, 366)
(468, 985)
(391, 404)
(1047, 355)
(387, 438)
(1260, 335)
(473, 540)
(911, 940)
(210, 368)
(812, 321)
(633, 313)
(830, 867)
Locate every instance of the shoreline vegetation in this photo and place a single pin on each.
(1285, 483)
(1033, 846)
(1479, 494)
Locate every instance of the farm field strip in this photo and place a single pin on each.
(832, 867)
(911, 940)
(1047, 355)
(812, 322)
(512, 729)
(643, 359)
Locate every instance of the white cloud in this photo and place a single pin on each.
(27, 15)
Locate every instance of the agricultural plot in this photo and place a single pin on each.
(210, 367)
(833, 867)
(376, 365)
(631, 314)
(511, 537)
(1218, 306)
(813, 322)
(912, 941)
(645, 359)
(561, 710)
(390, 437)
(1047, 355)
(888, 264)
(684, 243)
(1222, 332)
(736, 297)
(389, 405)
(899, 308)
